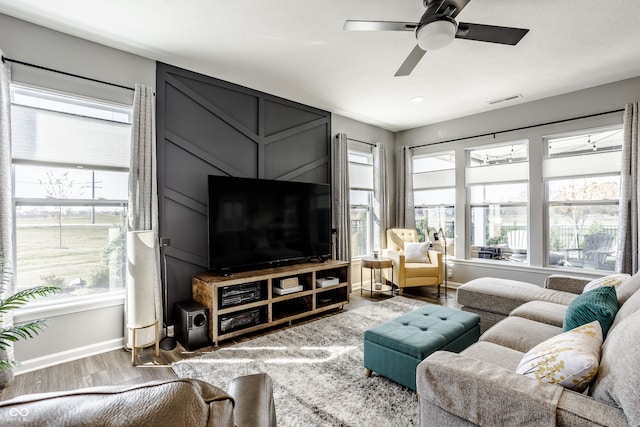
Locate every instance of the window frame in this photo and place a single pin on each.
(601, 152)
(476, 176)
(445, 177)
(365, 154)
(75, 302)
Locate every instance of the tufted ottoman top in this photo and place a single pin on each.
(422, 331)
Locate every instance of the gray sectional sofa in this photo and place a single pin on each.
(480, 386)
(494, 299)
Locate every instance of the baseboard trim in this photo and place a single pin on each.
(69, 355)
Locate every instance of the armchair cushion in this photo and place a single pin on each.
(599, 304)
(397, 236)
(416, 252)
(419, 269)
(570, 359)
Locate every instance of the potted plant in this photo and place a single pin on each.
(22, 331)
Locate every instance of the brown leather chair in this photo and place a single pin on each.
(411, 274)
(248, 402)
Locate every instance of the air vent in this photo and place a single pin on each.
(508, 98)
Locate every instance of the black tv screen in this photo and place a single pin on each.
(256, 223)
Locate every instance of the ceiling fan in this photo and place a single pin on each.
(437, 28)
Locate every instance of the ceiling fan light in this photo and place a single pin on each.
(436, 34)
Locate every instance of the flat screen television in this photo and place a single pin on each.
(257, 223)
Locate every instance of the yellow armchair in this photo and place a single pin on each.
(412, 274)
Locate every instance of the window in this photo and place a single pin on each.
(582, 176)
(497, 185)
(434, 197)
(361, 203)
(70, 168)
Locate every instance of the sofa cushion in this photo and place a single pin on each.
(519, 334)
(416, 252)
(610, 280)
(570, 359)
(631, 305)
(618, 380)
(495, 354)
(542, 311)
(599, 304)
(503, 296)
(628, 288)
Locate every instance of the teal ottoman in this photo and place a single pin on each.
(395, 348)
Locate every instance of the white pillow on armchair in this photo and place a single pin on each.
(416, 252)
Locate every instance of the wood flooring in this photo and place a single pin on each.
(115, 368)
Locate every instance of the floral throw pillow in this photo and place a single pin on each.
(570, 359)
(614, 280)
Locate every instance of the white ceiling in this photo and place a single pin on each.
(297, 49)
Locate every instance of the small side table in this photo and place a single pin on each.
(373, 263)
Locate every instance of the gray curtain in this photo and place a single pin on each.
(6, 208)
(340, 198)
(143, 208)
(405, 210)
(629, 232)
(380, 194)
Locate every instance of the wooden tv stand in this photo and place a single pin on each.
(246, 302)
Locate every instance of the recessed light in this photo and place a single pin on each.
(417, 99)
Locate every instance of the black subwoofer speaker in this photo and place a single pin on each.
(192, 324)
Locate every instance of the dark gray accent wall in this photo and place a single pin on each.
(207, 126)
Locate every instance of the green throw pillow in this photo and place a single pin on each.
(599, 304)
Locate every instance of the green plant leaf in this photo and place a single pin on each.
(6, 365)
(21, 331)
(20, 298)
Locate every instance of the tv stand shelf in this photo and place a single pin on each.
(258, 307)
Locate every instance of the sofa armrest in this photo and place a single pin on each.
(485, 394)
(396, 256)
(573, 284)
(435, 258)
(254, 405)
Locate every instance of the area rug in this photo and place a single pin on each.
(317, 370)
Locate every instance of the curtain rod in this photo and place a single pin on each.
(362, 142)
(520, 128)
(40, 67)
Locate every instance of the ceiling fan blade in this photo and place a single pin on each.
(410, 63)
(352, 25)
(490, 33)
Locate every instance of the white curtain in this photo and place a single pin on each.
(405, 210)
(629, 232)
(380, 194)
(6, 208)
(340, 197)
(144, 289)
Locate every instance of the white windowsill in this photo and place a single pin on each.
(70, 306)
(513, 266)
